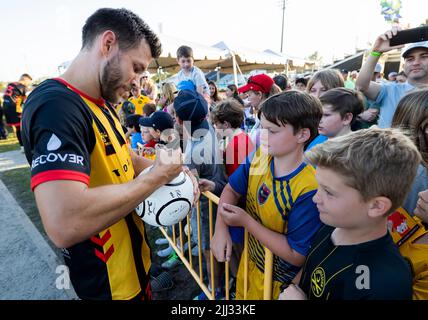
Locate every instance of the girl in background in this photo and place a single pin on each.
(407, 225)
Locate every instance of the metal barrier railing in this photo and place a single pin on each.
(188, 262)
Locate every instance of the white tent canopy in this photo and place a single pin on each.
(220, 57)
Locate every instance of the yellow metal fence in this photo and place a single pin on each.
(198, 275)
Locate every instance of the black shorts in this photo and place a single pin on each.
(9, 109)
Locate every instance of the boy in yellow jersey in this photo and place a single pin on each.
(280, 214)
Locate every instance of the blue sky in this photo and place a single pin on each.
(37, 36)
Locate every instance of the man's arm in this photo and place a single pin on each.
(370, 88)
(71, 212)
(201, 82)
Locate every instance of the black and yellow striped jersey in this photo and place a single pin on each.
(70, 136)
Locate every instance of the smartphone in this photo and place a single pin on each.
(409, 36)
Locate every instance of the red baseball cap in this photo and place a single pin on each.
(260, 82)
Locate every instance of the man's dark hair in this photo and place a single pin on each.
(129, 28)
(299, 109)
(25, 75)
(184, 51)
(281, 81)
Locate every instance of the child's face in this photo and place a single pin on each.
(223, 129)
(254, 98)
(154, 133)
(220, 125)
(229, 93)
(212, 90)
(185, 63)
(277, 140)
(317, 89)
(145, 134)
(401, 79)
(300, 86)
(331, 122)
(339, 205)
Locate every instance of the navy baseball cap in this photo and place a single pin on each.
(158, 120)
(191, 106)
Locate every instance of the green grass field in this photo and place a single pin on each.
(11, 143)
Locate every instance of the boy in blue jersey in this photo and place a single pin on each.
(280, 214)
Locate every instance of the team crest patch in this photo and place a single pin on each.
(263, 193)
(318, 282)
(401, 226)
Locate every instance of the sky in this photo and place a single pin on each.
(37, 36)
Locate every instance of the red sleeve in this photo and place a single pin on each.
(236, 152)
(150, 144)
(58, 175)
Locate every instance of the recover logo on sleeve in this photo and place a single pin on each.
(54, 144)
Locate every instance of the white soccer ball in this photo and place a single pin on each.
(169, 204)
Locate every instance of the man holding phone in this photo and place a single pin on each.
(387, 95)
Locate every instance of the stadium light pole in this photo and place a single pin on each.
(283, 5)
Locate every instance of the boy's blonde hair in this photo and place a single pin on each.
(375, 162)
